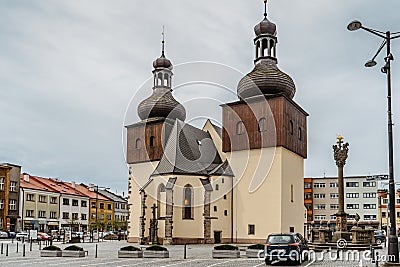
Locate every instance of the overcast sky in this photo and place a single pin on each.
(69, 69)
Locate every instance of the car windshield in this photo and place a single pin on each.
(279, 239)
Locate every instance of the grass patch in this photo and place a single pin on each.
(130, 248)
(156, 248)
(73, 248)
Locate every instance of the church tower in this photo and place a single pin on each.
(146, 139)
(265, 140)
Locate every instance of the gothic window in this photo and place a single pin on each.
(160, 79)
(161, 189)
(240, 128)
(187, 202)
(152, 141)
(262, 125)
(138, 143)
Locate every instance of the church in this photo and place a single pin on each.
(234, 184)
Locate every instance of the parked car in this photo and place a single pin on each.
(285, 247)
(21, 235)
(11, 234)
(3, 234)
(379, 237)
(43, 236)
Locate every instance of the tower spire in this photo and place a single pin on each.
(265, 10)
(163, 41)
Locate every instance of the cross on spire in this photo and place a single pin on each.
(265, 11)
(163, 40)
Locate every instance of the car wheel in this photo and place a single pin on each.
(378, 241)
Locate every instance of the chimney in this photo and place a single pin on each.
(91, 187)
(73, 184)
(26, 177)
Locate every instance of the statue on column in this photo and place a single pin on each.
(154, 226)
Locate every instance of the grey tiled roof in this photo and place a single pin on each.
(191, 151)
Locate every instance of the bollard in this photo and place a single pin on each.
(17, 247)
(6, 250)
(12, 240)
(377, 259)
(1, 248)
(23, 239)
(96, 252)
(373, 255)
(23, 250)
(184, 252)
(30, 245)
(40, 245)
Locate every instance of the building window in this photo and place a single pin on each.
(75, 216)
(369, 184)
(225, 197)
(334, 195)
(75, 202)
(319, 185)
(13, 186)
(240, 128)
(398, 201)
(30, 197)
(291, 193)
(1, 204)
(93, 215)
(187, 202)
(42, 199)
(2, 179)
(42, 214)
(83, 203)
(307, 196)
(320, 207)
(12, 205)
(291, 127)
(319, 195)
(385, 201)
(93, 205)
(333, 217)
(101, 205)
(307, 185)
(369, 195)
(300, 133)
(117, 205)
(215, 209)
(225, 212)
(102, 216)
(83, 217)
(138, 144)
(384, 214)
(66, 201)
(216, 187)
(319, 217)
(109, 206)
(334, 206)
(53, 215)
(29, 213)
(252, 229)
(352, 184)
(369, 206)
(53, 200)
(352, 206)
(352, 195)
(369, 217)
(65, 215)
(333, 185)
(152, 141)
(108, 216)
(262, 125)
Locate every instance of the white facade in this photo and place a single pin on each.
(74, 211)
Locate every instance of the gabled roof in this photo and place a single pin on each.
(36, 183)
(91, 194)
(112, 196)
(189, 151)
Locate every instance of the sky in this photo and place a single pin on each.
(73, 72)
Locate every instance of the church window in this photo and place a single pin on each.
(161, 189)
(138, 143)
(215, 209)
(291, 127)
(187, 202)
(262, 125)
(152, 139)
(160, 79)
(240, 128)
(216, 187)
(225, 212)
(166, 83)
(291, 193)
(252, 229)
(299, 133)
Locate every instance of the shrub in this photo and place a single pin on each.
(226, 247)
(74, 248)
(53, 248)
(257, 246)
(156, 248)
(130, 248)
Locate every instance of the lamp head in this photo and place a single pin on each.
(370, 63)
(354, 25)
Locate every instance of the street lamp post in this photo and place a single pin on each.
(393, 249)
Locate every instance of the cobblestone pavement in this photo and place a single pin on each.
(197, 255)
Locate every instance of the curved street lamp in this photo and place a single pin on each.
(393, 248)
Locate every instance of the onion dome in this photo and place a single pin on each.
(265, 27)
(266, 79)
(161, 104)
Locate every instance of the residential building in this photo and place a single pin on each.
(39, 204)
(120, 209)
(383, 207)
(9, 197)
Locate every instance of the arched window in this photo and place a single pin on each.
(240, 128)
(166, 83)
(258, 49)
(291, 127)
(264, 48)
(262, 125)
(152, 141)
(160, 79)
(138, 144)
(300, 134)
(188, 202)
(161, 189)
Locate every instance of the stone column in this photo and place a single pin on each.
(207, 217)
(169, 212)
